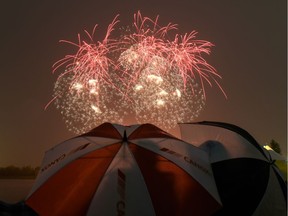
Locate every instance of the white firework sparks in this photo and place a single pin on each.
(163, 100)
(84, 107)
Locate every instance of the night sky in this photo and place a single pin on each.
(250, 53)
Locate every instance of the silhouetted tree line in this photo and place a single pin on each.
(18, 172)
(275, 146)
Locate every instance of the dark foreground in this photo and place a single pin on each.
(18, 209)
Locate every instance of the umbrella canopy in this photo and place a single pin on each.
(247, 179)
(280, 161)
(125, 170)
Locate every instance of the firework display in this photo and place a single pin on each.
(83, 106)
(163, 100)
(140, 73)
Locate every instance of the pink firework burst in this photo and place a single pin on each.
(143, 46)
(184, 54)
(148, 48)
(91, 62)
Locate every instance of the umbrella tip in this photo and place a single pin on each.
(125, 139)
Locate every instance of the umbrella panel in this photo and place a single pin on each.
(173, 191)
(241, 184)
(70, 190)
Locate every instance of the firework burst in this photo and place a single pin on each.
(84, 107)
(91, 62)
(185, 57)
(162, 99)
(158, 80)
(143, 46)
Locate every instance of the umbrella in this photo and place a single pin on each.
(280, 161)
(247, 179)
(125, 170)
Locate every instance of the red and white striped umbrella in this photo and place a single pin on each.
(125, 170)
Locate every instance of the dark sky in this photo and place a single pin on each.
(250, 53)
